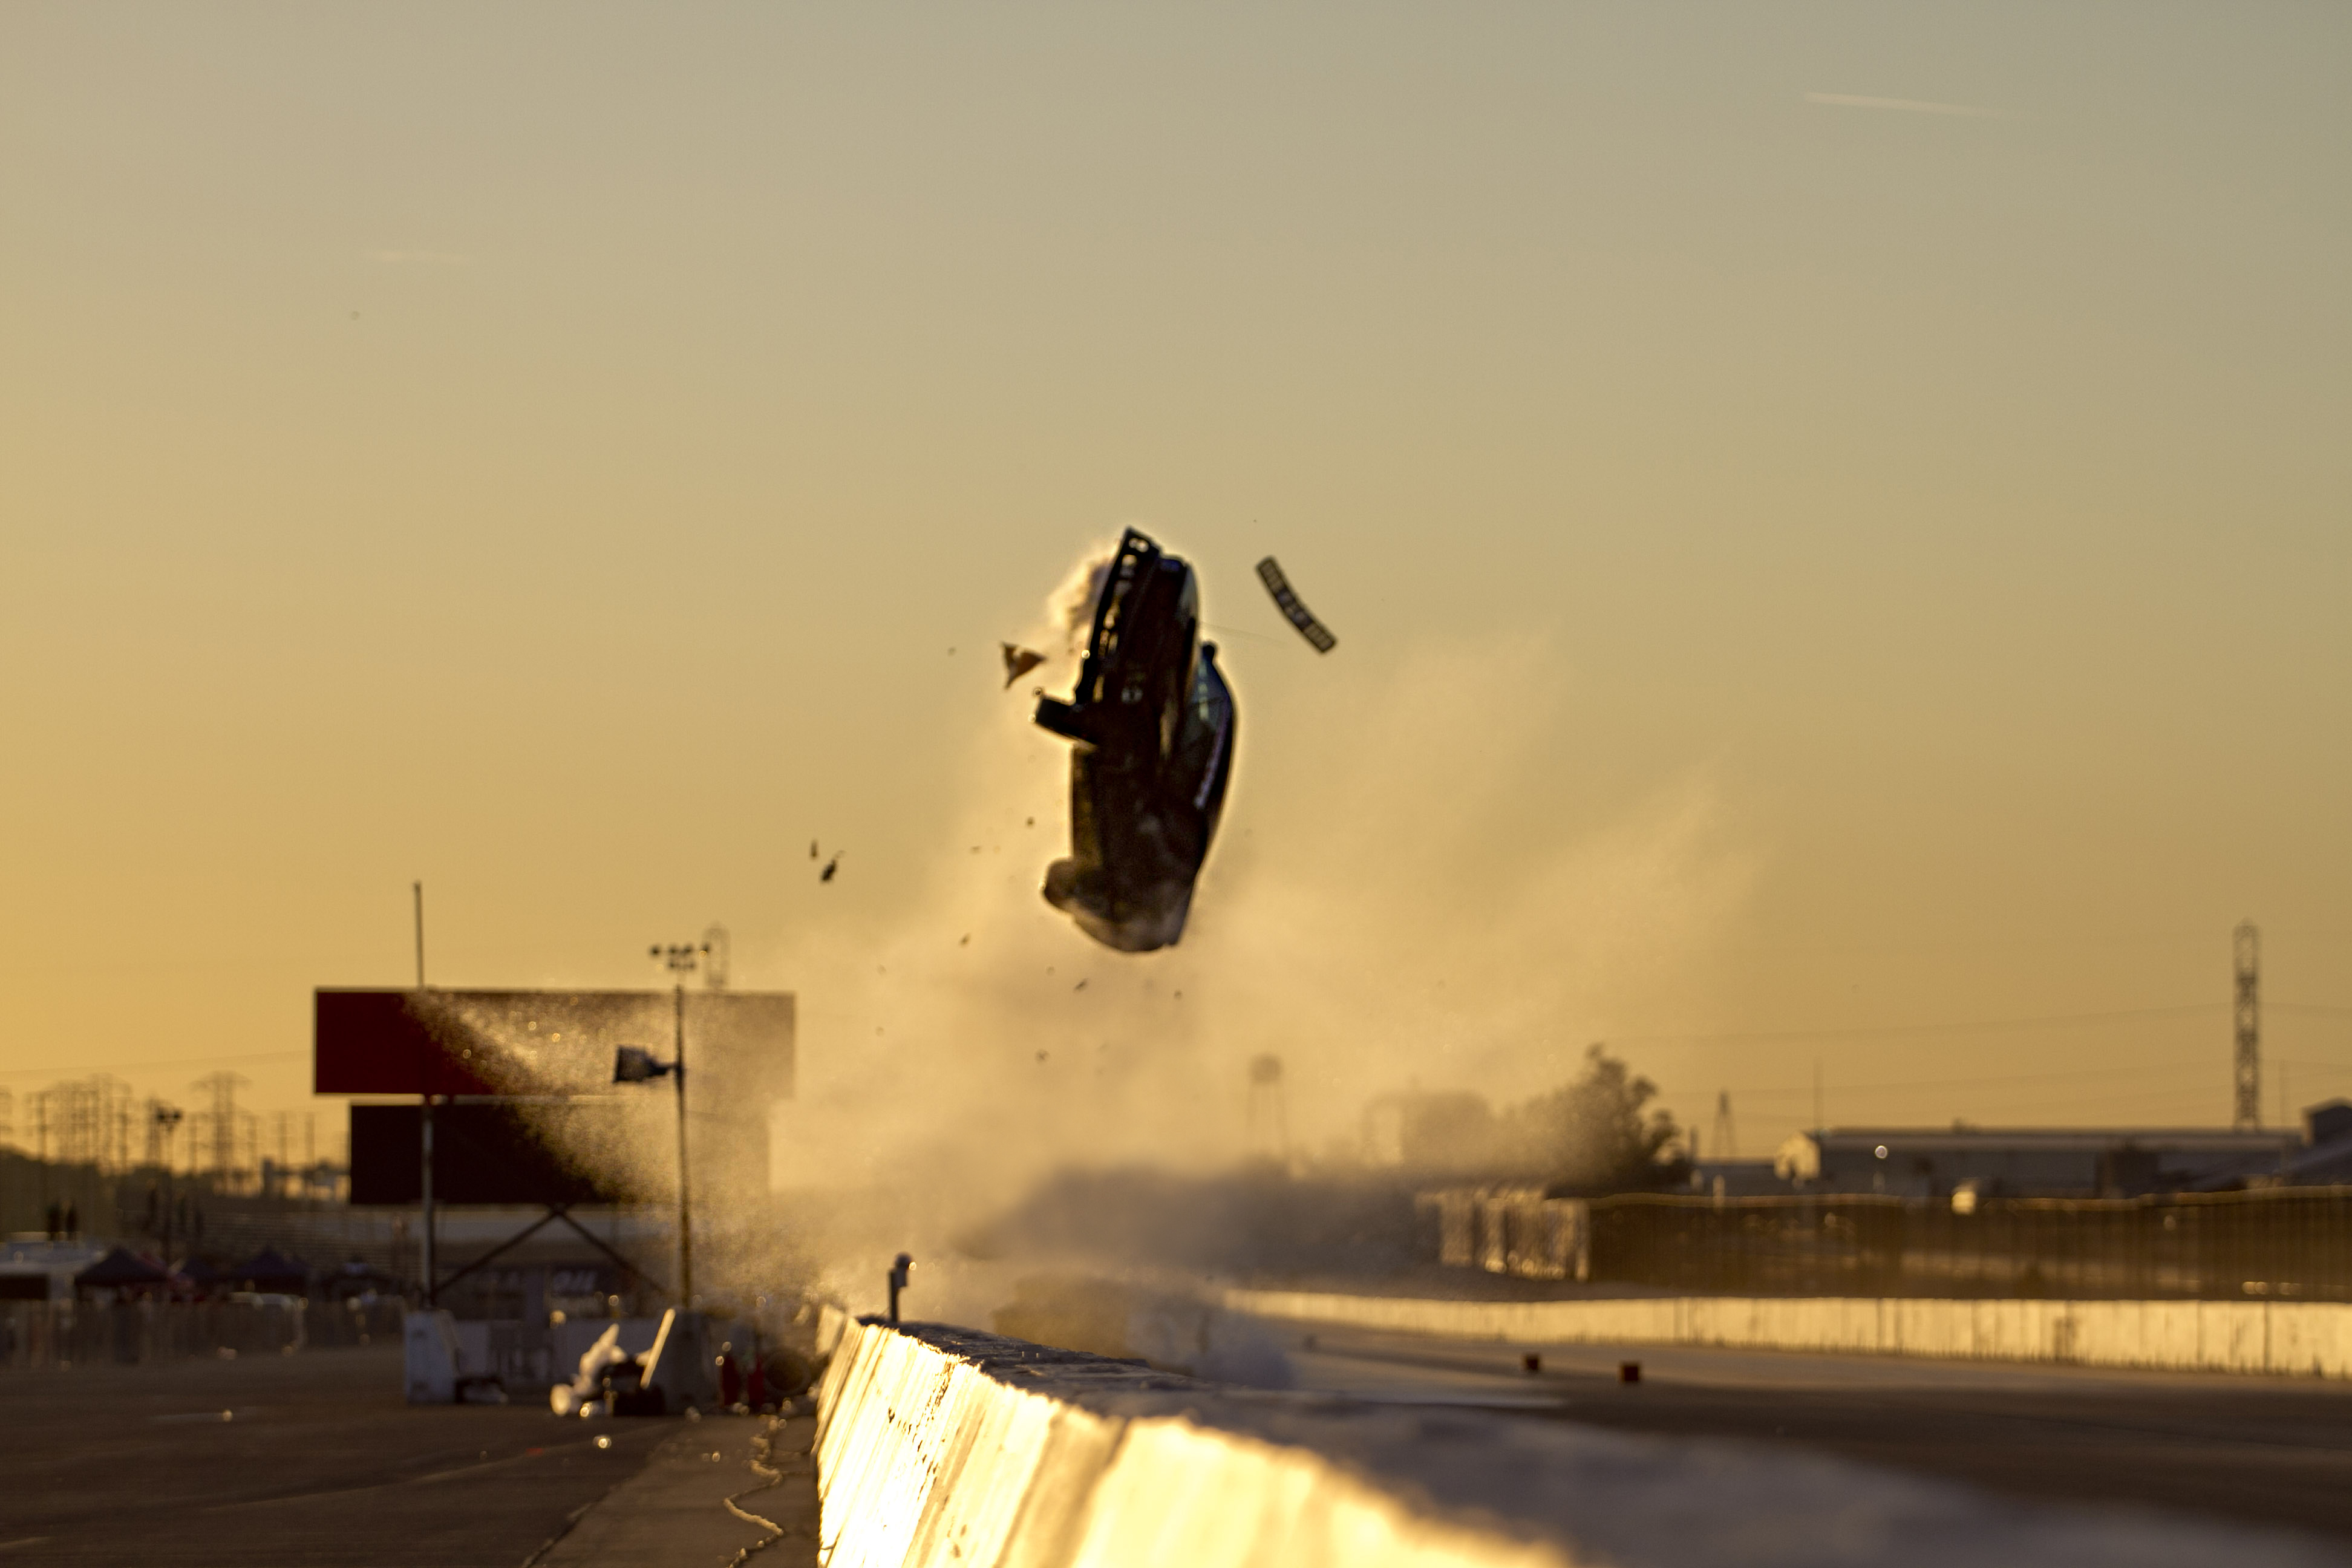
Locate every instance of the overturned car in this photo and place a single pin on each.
(1151, 727)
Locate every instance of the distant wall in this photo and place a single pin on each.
(2309, 1339)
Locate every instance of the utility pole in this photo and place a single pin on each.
(685, 1205)
(425, 1121)
(2247, 1015)
(1724, 1138)
(681, 962)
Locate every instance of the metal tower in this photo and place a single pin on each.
(717, 948)
(1269, 1121)
(2248, 1017)
(1725, 1138)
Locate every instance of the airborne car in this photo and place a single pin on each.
(1151, 727)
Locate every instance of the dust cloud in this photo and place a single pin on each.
(1397, 899)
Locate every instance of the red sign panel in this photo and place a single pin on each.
(738, 1044)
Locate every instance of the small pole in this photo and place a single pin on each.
(685, 1208)
(424, 1153)
(427, 1204)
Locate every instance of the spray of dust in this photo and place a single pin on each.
(1396, 898)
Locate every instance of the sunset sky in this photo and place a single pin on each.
(1837, 519)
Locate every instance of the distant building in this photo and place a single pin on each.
(1738, 1178)
(2034, 1161)
(2325, 1160)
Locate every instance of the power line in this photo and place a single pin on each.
(2052, 1020)
(54, 1071)
(1996, 1078)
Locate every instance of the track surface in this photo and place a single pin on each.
(2266, 1450)
(320, 1464)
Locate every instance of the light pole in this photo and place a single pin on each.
(634, 1065)
(167, 1122)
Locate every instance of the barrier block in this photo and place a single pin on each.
(942, 1448)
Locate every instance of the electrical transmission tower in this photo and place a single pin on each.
(2248, 1016)
(1724, 1138)
(221, 1123)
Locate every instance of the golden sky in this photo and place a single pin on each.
(1836, 519)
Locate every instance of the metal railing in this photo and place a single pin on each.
(60, 1335)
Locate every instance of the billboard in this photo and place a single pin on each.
(738, 1043)
(483, 1153)
(557, 1048)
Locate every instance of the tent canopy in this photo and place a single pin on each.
(270, 1270)
(119, 1269)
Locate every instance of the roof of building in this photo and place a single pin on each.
(2218, 1140)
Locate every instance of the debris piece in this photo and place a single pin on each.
(812, 848)
(1081, 985)
(1298, 615)
(1018, 662)
(830, 867)
(1629, 1371)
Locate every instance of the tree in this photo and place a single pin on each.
(1595, 1132)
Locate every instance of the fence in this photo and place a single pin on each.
(2293, 1243)
(60, 1335)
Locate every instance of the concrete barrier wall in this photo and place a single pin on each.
(932, 1454)
(946, 1447)
(2309, 1339)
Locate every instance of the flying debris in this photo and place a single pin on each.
(1019, 661)
(812, 848)
(1313, 630)
(830, 867)
(1151, 725)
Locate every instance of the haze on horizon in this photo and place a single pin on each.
(1836, 522)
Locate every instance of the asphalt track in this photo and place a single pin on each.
(320, 1464)
(2266, 1450)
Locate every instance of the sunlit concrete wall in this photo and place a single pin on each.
(946, 1447)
